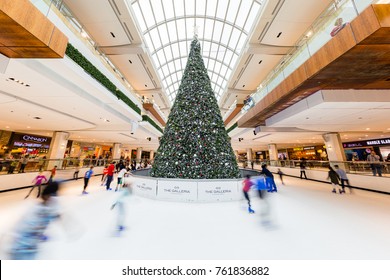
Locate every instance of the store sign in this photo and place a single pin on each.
(309, 148)
(31, 138)
(375, 142)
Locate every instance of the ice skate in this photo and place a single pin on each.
(334, 191)
(250, 210)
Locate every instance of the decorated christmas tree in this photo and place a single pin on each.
(195, 143)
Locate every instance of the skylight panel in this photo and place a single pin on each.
(181, 29)
(171, 25)
(138, 14)
(211, 7)
(164, 34)
(189, 7)
(228, 56)
(148, 40)
(177, 64)
(232, 11)
(190, 23)
(217, 30)
(221, 9)
(147, 13)
(155, 38)
(235, 36)
(168, 53)
(243, 12)
(200, 8)
(251, 17)
(158, 11)
(161, 57)
(183, 48)
(168, 9)
(208, 32)
(179, 8)
(227, 30)
(221, 53)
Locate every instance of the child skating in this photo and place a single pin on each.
(247, 183)
(87, 176)
(38, 181)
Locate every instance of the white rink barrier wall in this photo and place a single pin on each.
(187, 190)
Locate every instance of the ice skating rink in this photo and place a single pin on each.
(307, 222)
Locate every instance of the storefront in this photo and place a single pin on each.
(308, 153)
(28, 144)
(355, 151)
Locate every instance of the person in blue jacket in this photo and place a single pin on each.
(87, 176)
(269, 178)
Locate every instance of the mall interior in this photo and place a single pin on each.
(83, 83)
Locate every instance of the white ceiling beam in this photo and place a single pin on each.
(269, 49)
(123, 49)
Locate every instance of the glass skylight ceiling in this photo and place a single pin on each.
(168, 27)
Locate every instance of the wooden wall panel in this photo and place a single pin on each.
(365, 24)
(382, 12)
(29, 33)
(58, 42)
(340, 44)
(8, 52)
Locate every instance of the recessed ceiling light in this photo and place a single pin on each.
(367, 128)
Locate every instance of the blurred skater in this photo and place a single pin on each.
(280, 172)
(247, 183)
(334, 179)
(38, 181)
(76, 172)
(269, 177)
(104, 175)
(121, 174)
(87, 176)
(52, 174)
(30, 230)
(302, 167)
(119, 204)
(343, 178)
(110, 175)
(263, 188)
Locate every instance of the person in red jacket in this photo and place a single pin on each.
(104, 176)
(247, 183)
(110, 175)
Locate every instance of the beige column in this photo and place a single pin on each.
(57, 149)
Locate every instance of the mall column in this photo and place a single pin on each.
(116, 151)
(151, 156)
(248, 156)
(334, 148)
(139, 155)
(57, 149)
(273, 153)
